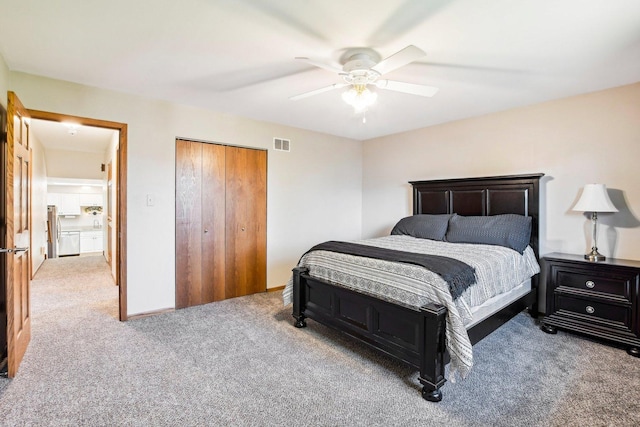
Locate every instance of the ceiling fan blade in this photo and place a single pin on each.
(318, 91)
(472, 67)
(320, 64)
(403, 87)
(399, 59)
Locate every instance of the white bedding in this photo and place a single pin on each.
(498, 270)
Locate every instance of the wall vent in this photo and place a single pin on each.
(281, 144)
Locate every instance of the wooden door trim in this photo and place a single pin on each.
(121, 196)
(109, 208)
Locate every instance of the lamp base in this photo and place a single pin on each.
(594, 256)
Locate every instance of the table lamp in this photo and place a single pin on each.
(595, 199)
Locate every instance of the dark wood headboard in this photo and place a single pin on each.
(494, 195)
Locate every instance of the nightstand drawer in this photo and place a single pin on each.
(594, 282)
(592, 308)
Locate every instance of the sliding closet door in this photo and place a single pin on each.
(246, 225)
(200, 249)
(213, 220)
(221, 213)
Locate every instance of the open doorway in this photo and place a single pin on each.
(86, 182)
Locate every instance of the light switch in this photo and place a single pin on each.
(151, 200)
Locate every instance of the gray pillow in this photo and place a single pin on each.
(509, 230)
(423, 226)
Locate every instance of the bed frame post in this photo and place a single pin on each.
(533, 309)
(299, 297)
(432, 351)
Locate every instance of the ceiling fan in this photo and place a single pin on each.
(362, 68)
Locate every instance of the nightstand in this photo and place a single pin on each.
(598, 299)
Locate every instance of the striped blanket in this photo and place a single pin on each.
(458, 275)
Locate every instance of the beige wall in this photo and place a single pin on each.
(74, 164)
(314, 192)
(4, 81)
(592, 138)
(38, 205)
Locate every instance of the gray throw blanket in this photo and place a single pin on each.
(458, 275)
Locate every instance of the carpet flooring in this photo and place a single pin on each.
(241, 362)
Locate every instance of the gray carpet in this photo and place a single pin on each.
(241, 362)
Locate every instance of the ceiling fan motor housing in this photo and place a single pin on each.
(357, 70)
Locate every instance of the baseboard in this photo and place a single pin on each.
(150, 313)
(169, 310)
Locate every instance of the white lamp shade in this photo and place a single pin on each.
(595, 199)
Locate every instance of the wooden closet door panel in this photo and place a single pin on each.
(246, 213)
(188, 223)
(213, 222)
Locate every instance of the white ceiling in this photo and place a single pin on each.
(57, 136)
(238, 56)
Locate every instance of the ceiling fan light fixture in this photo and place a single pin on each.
(359, 97)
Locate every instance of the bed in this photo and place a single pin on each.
(419, 336)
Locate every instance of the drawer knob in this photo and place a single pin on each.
(590, 309)
(590, 284)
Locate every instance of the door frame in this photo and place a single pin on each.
(121, 196)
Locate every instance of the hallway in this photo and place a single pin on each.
(76, 284)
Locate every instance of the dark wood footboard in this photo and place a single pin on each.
(413, 337)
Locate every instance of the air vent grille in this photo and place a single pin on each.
(281, 144)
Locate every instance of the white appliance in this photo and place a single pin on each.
(69, 243)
